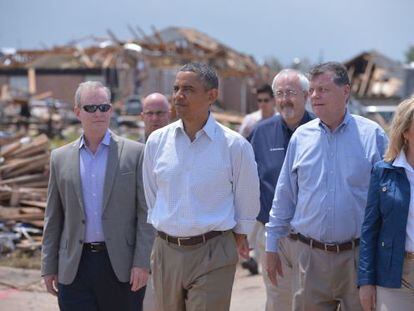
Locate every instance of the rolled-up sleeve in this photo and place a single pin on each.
(245, 188)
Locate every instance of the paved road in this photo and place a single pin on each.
(23, 290)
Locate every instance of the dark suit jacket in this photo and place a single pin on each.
(128, 236)
(384, 228)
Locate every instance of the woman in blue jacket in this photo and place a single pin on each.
(386, 265)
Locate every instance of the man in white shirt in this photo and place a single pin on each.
(202, 190)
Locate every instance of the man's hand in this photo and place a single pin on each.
(242, 245)
(51, 282)
(367, 296)
(273, 267)
(138, 279)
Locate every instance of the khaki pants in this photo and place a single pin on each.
(277, 298)
(194, 278)
(400, 299)
(324, 280)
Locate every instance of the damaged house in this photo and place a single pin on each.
(378, 80)
(148, 63)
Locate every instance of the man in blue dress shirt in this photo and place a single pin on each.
(270, 140)
(321, 194)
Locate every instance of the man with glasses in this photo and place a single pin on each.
(321, 194)
(269, 141)
(96, 242)
(266, 106)
(155, 112)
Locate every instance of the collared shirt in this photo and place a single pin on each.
(194, 187)
(401, 161)
(269, 141)
(322, 188)
(92, 172)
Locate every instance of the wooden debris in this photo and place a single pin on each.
(23, 187)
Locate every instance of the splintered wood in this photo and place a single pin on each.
(23, 183)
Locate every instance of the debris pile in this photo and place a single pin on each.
(23, 189)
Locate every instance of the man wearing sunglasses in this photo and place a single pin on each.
(96, 242)
(155, 112)
(266, 105)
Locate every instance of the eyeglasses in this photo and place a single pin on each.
(287, 93)
(158, 113)
(263, 100)
(93, 108)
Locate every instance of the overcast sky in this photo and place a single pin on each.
(315, 29)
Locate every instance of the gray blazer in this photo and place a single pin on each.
(128, 236)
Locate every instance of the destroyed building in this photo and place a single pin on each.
(378, 80)
(139, 66)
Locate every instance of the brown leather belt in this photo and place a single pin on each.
(329, 247)
(409, 255)
(95, 247)
(188, 241)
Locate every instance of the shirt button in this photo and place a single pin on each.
(83, 221)
(384, 189)
(94, 194)
(93, 175)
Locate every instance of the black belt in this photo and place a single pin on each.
(188, 241)
(329, 247)
(95, 247)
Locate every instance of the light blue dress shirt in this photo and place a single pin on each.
(322, 188)
(92, 172)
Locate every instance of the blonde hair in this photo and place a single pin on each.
(401, 123)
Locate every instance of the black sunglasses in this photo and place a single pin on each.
(93, 108)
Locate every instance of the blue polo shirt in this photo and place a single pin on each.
(269, 140)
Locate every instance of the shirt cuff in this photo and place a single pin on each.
(271, 244)
(244, 226)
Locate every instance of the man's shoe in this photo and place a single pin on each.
(251, 265)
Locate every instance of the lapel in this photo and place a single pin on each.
(115, 149)
(76, 177)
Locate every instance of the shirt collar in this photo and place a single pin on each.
(344, 122)
(106, 140)
(401, 161)
(208, 128)
(306, 118)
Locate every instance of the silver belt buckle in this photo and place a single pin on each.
(93, 249)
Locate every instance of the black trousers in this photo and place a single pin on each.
(96, 287)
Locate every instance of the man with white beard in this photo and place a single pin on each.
(270, 140)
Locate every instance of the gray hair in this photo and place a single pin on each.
(341, 74)
(304, 82)
(205, 72)
(90, 85)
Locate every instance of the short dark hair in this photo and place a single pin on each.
(205, 72)
(341, 75)
(265, 88)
